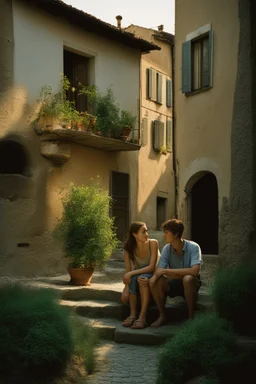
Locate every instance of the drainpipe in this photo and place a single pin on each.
(173, 135)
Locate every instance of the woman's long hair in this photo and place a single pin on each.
(130, 243)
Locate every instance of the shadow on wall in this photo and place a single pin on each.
(23, 182)
(160, 204)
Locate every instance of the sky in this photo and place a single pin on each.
(146, 13)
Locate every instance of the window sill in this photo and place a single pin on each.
(198, 91)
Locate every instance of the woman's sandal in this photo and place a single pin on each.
(139, 324)
(129, 321)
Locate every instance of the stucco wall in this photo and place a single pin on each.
(156, 178)
(237, 214)
(39, 42)
(30, 206)
(203, 120)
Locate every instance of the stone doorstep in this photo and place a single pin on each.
(112, 329)
(176, 311)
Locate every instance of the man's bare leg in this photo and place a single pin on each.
(159, 289)
(190, 284)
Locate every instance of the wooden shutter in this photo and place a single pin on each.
(158, 139)
(149, 83)
(169, 100)
(207, 60)
(159, 82)
(144, 132)
(81, 78)
(186, 67)
(169, 135)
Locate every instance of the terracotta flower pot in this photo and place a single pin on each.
(80, 276)
(126, 131)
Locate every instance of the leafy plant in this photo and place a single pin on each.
(163, 150)
(35, 331)
(85, 227)
(234, 296)
(110, 120)
(127, 119)
(57, 105)
(205, 345)
(84, 341)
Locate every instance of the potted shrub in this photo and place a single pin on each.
(87, 231)
(106, 110)
(56, 111)
(127, 123)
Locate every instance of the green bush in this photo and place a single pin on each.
(234, 296)
(84, 341)
(35, 332)
(86, 228)
(204, 345)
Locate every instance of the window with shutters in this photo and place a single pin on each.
(169, 101)
(76, 69)
(154, 85)
(158, 135)
(169, 135)
(197, 63)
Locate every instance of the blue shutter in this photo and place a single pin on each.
(207, 60)
(186, 67)
(169, 93)
(149, 83)
(169, 135)
(159, 88)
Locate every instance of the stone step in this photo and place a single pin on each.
(112, 329)
(176, 309)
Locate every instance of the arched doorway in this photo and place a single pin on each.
(13, 158)
(204, 213)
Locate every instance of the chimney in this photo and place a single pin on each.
(119, 18)
(160, 28)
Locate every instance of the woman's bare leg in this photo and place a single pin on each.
(145, 297)
(133, 304)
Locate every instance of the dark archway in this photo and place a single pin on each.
(204, 214)
(13, 158)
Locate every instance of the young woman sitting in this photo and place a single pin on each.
(140, 255)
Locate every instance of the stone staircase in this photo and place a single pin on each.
(100, 306)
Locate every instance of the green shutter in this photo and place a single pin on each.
(169, 93)
(144, 132)
(149, 83)
(207, 60)
(169, 135)
(159, 83)
(186, 67)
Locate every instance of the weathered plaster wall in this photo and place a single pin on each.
(39, 43)
(203, 120)
(237, 215)
(156, 176)
(6, 45)
(30, 206)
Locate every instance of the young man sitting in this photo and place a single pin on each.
(178, 270)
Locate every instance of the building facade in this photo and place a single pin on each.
(214, 125)
(38, 43)
(156, 155)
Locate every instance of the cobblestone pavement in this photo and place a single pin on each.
(125, 364)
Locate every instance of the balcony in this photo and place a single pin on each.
(89, 139)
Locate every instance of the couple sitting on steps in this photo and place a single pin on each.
(175, 274)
